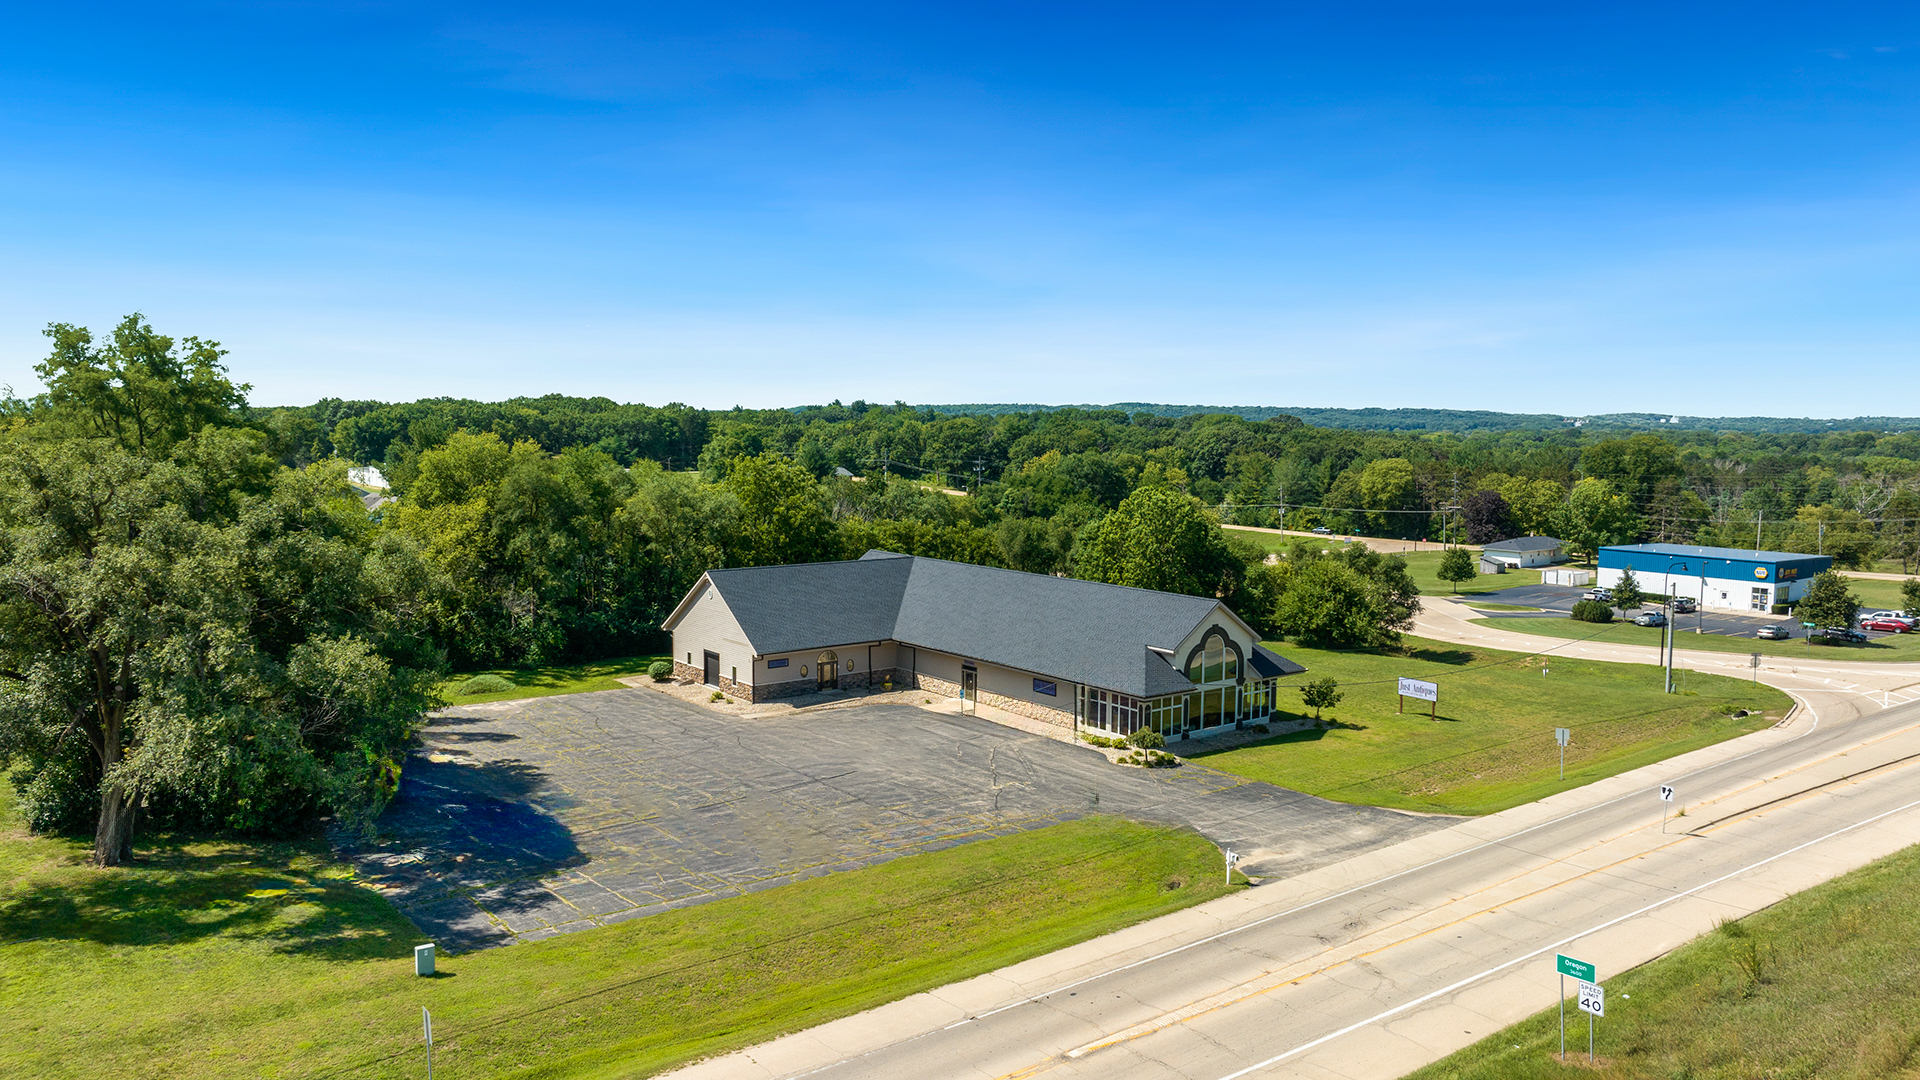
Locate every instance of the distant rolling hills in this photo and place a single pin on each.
(1465, 420)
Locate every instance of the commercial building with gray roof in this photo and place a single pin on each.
(1080, 654)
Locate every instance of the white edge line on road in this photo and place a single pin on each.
(1315, 903)
(1209, 939)
(1471, 979)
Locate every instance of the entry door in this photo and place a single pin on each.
(969, 690)
(829, 675)
(711, 666)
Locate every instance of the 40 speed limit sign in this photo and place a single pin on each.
(1593, 998)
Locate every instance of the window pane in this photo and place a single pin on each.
(1232, 666)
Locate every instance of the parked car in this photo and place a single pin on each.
(1897, 615)
(1650, 618)
(1841, 633)
(1602, 595)
(1323, 530)
(1684, 605)
(1886, 625)
(1774, 633)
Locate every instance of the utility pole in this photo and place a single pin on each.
(979, 473)
(1757, 522)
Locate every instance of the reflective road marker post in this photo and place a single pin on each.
(426, 1024)
(1579, 969)
(1562, 736)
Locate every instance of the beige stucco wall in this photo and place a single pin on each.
(708, 626)
(1226, 622)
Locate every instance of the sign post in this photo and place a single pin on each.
(426, 1023)
(1420, 691)
(1563, 736)
(1753, 661)
(1666, 799)
(1593, 1002)
(1579, 969)
(1232, 857)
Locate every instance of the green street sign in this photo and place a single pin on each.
(1579, 969)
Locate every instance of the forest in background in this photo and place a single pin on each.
(203, 621)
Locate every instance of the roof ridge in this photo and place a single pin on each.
(1057, 577)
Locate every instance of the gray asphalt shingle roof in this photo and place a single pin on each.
(1524, 543)
(1065, 628)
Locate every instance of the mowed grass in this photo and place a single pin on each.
(1493, 746)
(1424, 566)
(1893, 647)
(1877, 595)
(224, 959)
(1822, 984)
(551, 680)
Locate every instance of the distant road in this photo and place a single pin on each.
(1375, 543)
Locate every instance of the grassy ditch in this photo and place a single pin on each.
(225, 959)
(1821, 984)
(1893, 647)
(1492, 747)
(549, 681)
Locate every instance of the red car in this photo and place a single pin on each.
(1890, 626)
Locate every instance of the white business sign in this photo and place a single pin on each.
(1593, 998)
(1425, 691)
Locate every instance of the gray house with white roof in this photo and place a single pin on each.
(1080, 654)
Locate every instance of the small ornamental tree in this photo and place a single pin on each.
(1456, 566)
(1626, 594)
(1828, 603)
(1324, 694)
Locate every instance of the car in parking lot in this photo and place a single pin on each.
(1899, 616)
(1841, 633)
(1774, 633)
(1603, 595)
(1684, 605)
(1886, 625)
(1650, 618)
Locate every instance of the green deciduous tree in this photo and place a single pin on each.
(783, 514)
(142, 390)
(1354, 599)
(1321, 694)
(1159, 539)
(1910, 596)
(1828, 602)
(1458, 565)
(1595, 516)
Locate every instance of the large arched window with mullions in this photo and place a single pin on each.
(1217, 660)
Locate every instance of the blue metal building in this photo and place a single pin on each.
(1725, 579)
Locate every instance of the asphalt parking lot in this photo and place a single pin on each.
(1556, 602)
(520, 820)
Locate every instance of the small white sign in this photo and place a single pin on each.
(1232, 857)
(1563, 736)
(1425, 691)
(1666, 793)
(1593, 998)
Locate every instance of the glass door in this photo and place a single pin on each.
(969, 690)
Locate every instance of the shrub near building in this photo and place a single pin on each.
(1593, 611)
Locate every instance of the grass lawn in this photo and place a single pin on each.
(1493, 747)
(1482, 605)
(1425, 568)
(229, 959)
(548, 681)
(1876, 595)
(1891, 647)
(1271, 542)
(1821, 984)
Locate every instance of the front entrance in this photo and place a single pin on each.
(828, 672)
(710, 668)
(969, 691)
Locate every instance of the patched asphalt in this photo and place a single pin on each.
(520, 820)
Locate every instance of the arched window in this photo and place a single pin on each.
(1215, 660)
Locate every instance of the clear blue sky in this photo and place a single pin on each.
(1706, 210)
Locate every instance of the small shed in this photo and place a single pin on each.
(1566, 575)
(1490, 564)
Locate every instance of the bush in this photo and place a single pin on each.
(56, 796)
(660, 670)
(1594, 611)
(485, 684)
(1147, 739)
(1780, 609)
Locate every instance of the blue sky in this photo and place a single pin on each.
(1709, 210)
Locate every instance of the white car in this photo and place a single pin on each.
(1900, 616)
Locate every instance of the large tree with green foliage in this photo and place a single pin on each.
(184, 625)
(1595, 516)
(1828, 603)
(1353, 599)
(1160, 539)
(1456, 566)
